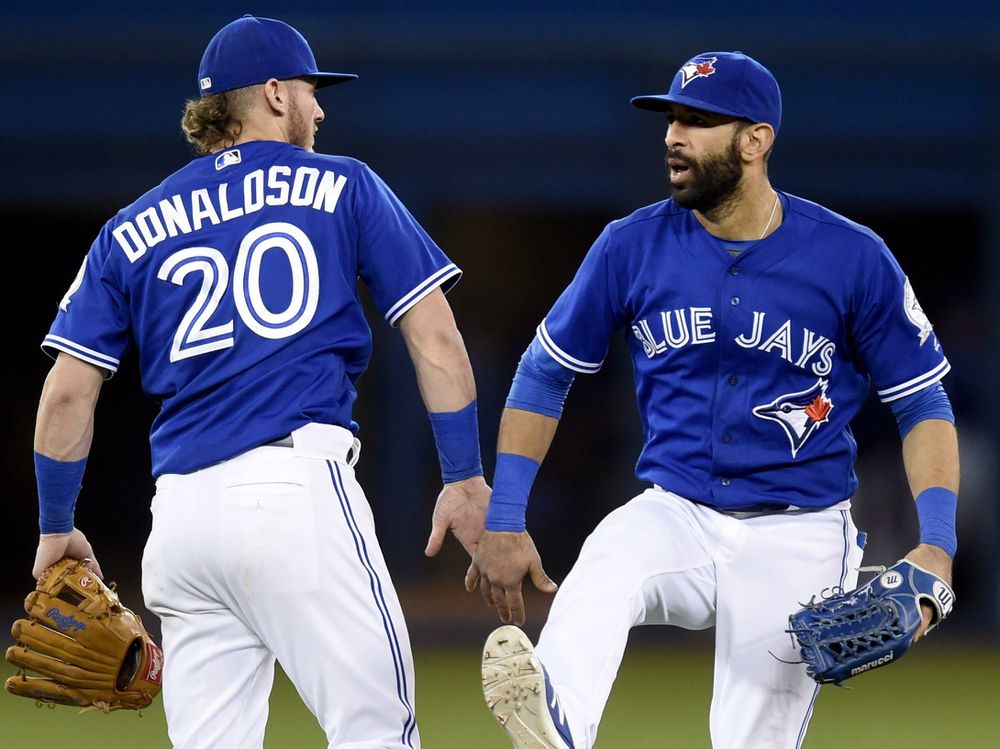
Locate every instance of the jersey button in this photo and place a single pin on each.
(734, 271)
(727, 438)
(734, 380)
(725, 482)
(734, 301)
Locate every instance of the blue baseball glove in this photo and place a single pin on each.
(846, 634)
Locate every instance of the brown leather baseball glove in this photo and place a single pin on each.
(90, 650)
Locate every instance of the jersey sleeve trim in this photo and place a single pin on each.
(447, 273)
(80, 352)
(916, 384)
(561, 356)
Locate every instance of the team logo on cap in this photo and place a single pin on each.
(799, 414)
(699, 67)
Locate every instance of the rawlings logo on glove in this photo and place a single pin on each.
(847, 634)
(90, 650)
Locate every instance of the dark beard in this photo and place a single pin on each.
(715, 179)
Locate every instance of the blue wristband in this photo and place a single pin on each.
(511, 486)
(58, 485)
(936, 509)
(456, 434)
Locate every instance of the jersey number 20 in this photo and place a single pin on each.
(194, 338)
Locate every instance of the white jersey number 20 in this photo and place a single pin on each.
(194, 338)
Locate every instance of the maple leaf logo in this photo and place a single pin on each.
(819, 409)
(700, 67)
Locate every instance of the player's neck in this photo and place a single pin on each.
(753, 212)
(252, 132)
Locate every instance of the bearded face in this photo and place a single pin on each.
(304, 113)
(702, 184)
(301, 131)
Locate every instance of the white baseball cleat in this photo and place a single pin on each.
(519, 695)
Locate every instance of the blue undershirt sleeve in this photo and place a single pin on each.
(930, 403)
(540, 384)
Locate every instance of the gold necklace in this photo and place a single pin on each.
(770, 218)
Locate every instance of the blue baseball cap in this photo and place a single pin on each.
(725, 83)
(252, 50)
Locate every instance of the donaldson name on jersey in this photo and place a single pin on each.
(750, 358)
(247, 321)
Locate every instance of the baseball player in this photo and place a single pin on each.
(236, 279)
(757, 322)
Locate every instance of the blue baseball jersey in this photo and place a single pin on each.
(749, 366)
(237, 279)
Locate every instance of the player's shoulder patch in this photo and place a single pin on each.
(915, 313)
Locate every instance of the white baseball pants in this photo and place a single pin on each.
(273, 555)
(661, 559)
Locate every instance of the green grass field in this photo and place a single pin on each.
(938, 697)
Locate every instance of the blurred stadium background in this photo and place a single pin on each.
(506, 129)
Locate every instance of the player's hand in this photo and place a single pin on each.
(933, 559)
(499, 565)
(54, 546)
(460, 508)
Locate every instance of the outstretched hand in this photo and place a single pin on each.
(498, 567)
(460, 508)
(54, 546)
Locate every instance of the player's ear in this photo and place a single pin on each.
(276, 94)
(757, 140)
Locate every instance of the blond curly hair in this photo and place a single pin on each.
(215, 122)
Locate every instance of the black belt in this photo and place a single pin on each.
(762, 507)
(287, 441)
(751, 511)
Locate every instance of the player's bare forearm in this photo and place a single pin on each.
(526, 433)
(930, 455)
(64, 427)
(444, 373)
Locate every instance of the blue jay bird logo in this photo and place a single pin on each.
(699, 67)
(799, 414)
